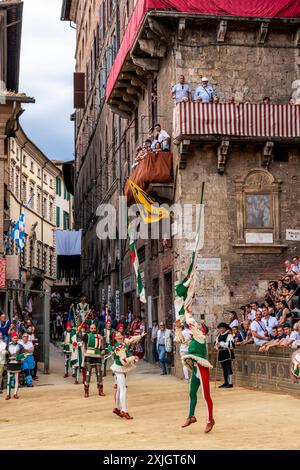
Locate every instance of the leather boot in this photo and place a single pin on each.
(100, 391)
(86, 391)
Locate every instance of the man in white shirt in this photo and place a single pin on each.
(181, 91)
(259, 331)
(163, 138)
(268, 321)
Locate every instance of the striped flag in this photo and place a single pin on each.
(18, 233)
(135, 261)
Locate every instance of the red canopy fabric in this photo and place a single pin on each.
(253, 8)
(155, 168)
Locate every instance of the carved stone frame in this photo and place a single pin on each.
(257, 181)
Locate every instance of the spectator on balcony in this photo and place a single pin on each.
(286, 315)
(231, 100)
(259, 330)
(254, 308)
(157, 147)
(233, 319)
(234, 332)
(181, 91)
(247, 313)
(288, 267)
(295, 335)
(244, 336)
(205, 92)
(266, 100)
(279, 288)
(162, 137)
(295, 264)
(267, 320)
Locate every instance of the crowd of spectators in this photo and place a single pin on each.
(20, 330)
(276, 321)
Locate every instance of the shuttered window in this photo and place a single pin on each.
(57, 216)
(79, 90)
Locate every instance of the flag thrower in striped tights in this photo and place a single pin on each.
(140, 288)
(149, 209)
(185, 290)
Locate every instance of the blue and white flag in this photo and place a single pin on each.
(18, 233)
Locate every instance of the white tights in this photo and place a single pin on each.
(120, 396)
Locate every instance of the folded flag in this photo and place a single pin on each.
(150, 210)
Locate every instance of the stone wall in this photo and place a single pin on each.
(266, 371)
(253, 369)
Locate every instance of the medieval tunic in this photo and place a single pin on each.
(15, 357)
(225, 355)
(93, 357)
(123, 363)
(196, 360)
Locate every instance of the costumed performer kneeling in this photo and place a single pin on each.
(196, 361)
(123, 363)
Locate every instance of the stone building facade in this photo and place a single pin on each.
(244, 58)
(11, 12)
(32, 190)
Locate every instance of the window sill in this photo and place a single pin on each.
(263, 248)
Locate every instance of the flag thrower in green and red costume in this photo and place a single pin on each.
(185, 290)
(196, 358)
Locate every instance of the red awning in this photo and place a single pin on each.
(253, 8)
(155, 168)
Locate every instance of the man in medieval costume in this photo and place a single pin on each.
(108, 339)
(224, 345)
(67, 347)
(123, 363)
(93, 357)
(16, 353)
(196, 361)
(76, 354)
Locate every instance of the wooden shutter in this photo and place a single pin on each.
(79, 90)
